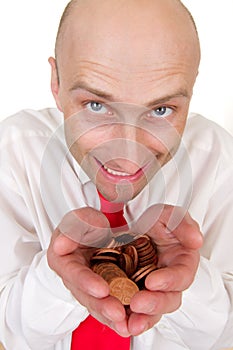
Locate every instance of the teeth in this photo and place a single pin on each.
(114, 172)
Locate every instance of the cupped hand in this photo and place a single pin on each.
(178, 239)
(72, 244)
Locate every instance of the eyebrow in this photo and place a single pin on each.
(180, 93)
(102, 94)
(84, 86)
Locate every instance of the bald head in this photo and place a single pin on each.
(77, 8)
(123, 47)
(124, 63)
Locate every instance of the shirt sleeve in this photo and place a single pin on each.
(36, 309)
(205, 319)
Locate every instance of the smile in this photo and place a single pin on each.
(114, 176)
(115, 173)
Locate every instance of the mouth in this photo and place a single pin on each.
(114, 175)
(115, 172)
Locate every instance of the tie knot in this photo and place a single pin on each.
(110, 207)
(114, 213)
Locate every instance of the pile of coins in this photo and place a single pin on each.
(124, 264)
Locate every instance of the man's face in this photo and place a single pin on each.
(125, 94)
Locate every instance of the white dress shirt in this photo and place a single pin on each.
(40, 182)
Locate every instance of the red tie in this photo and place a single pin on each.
(91, 334)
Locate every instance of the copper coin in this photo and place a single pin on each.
(112, 271)
(146, 248)
(103, 266)
(143, 272)
(126, 264)
(98, 268)
(132, 251)
(140, 242)
(109, 271)
(146, 251)
(146, 263)
(147, 256)
(123, 289)
(107, 251)
(98, 258)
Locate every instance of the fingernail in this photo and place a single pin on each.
(117, 315)
(162, 286)
(107, 314)
(155, 286)
(146, 327)
(98, 292)
(139, 330)
(149, 308)
(121, 330)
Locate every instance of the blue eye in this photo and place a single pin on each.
(96, 107)
(161, 112)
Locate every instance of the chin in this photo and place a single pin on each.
(120, 192)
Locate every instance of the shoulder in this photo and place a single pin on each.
(25, 136)
(30, 122)
(207, 137)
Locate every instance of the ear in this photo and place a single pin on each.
(55, 82)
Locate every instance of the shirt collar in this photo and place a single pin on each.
(82, 175)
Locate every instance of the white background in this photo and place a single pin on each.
(27, 35)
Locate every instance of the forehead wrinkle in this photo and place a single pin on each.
(159, 76)
(89, 71)
(117, 72)
(97, 64)
(116, 89)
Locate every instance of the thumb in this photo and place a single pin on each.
(63, 245)
(86, 226)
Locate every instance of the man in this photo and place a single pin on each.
(122, 80)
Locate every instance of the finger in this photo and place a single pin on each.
(86, 226)
(139, 323)
(121, 328)
(63, 245)
(76, 275)
(178, 276)
(167, 216)
(111, 308)
(177, 221)
(168, 224)
(155, 303)
(188, 235)
(108, 310)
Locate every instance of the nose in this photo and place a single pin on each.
(129, 145)
(129, 132)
